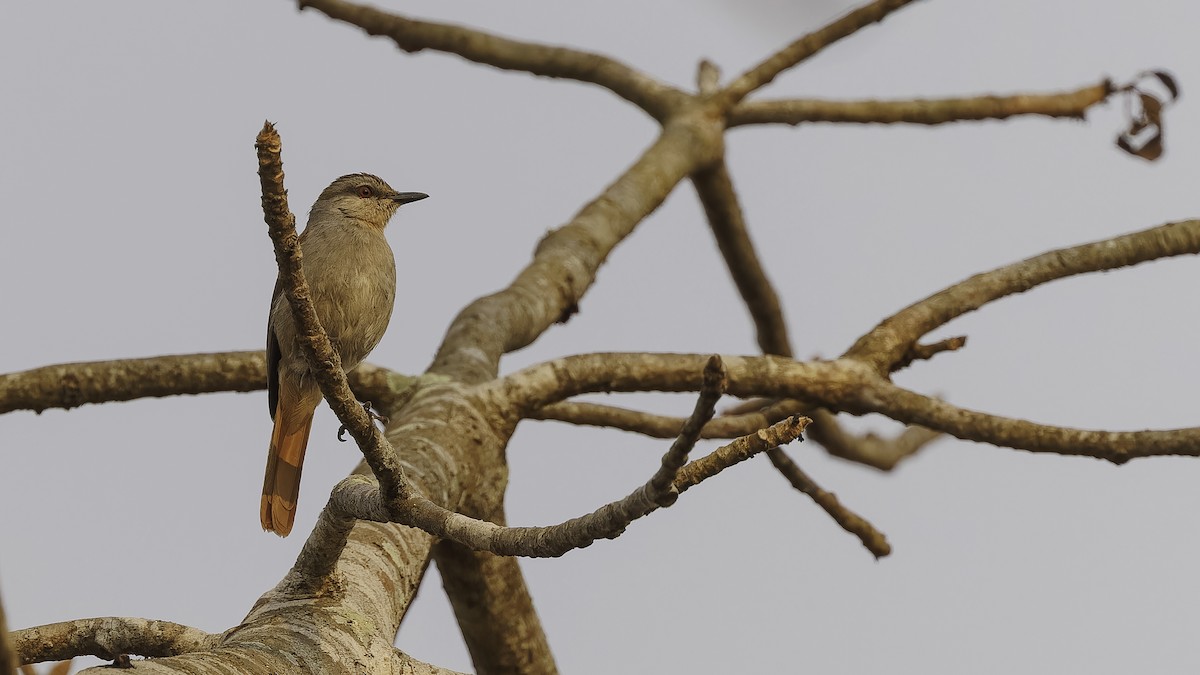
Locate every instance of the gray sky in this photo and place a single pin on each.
(132, 228)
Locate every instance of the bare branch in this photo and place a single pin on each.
(1117, 447)
(924, 352)
(108, 637)
(807, 46)
(564, 266)
(741, 449)
(662, 426)
(652, 96)
(886, 345)
(1071, 104)
(358, 497)
(868, 449)
(659, 488)
(323, 360)
(845, 384)
(872, 539)
(70, 385)
(715, 189)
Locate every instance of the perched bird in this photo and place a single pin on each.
(352, 276)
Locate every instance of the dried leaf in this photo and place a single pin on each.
(1167, 81)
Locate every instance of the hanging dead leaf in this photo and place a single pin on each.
(1144, 136)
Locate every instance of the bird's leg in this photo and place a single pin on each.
(370, 413)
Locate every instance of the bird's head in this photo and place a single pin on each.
(365, 198)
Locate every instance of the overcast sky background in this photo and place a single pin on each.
(132, 228)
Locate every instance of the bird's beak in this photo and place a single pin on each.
(406, 197)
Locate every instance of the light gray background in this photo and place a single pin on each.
(131, 227)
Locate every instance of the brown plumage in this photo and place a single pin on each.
(352, 276)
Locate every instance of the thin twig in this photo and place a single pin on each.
(923, 352)
(659, 486)
(1070, 104)
(871, 538)
(741, 449)
(715, 189)
(886, 344)
(868, 449)
(807, 46)
(664, 426)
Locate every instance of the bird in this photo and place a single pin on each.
(351, 274)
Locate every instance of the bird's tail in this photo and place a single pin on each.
(281, 486)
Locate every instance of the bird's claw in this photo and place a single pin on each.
(341, 434)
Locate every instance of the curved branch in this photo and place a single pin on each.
(663, 426)
(107, 638)
(657, 99)
(1072, 104)
(868, 449)
(1118, 447)
(358, 497)
(806, 47)
(871, 538)
(845, 384)
(564, 266)
(886, 345)
(70, 385)
(715, 189)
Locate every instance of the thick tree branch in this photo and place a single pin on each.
(886, 345)
(845, 384)
(1072, 104)
(69, 385)
(564, 266)
(806, 47)
(652, 96)
(108, 637)
(871, 538)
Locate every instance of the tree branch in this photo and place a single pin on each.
(886, 345)
(868, 449)
(806, 47)
(1071, 104)
(715, 189)
(70, 385)
(108, 637)
(872, 539)
(652, 96)
(845, 384)
(358, 497)
(565, 263)
(663, 426)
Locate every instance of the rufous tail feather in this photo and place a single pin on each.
(281, 486)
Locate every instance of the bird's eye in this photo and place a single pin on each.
(364, 191)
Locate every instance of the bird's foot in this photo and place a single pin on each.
(341, 435)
